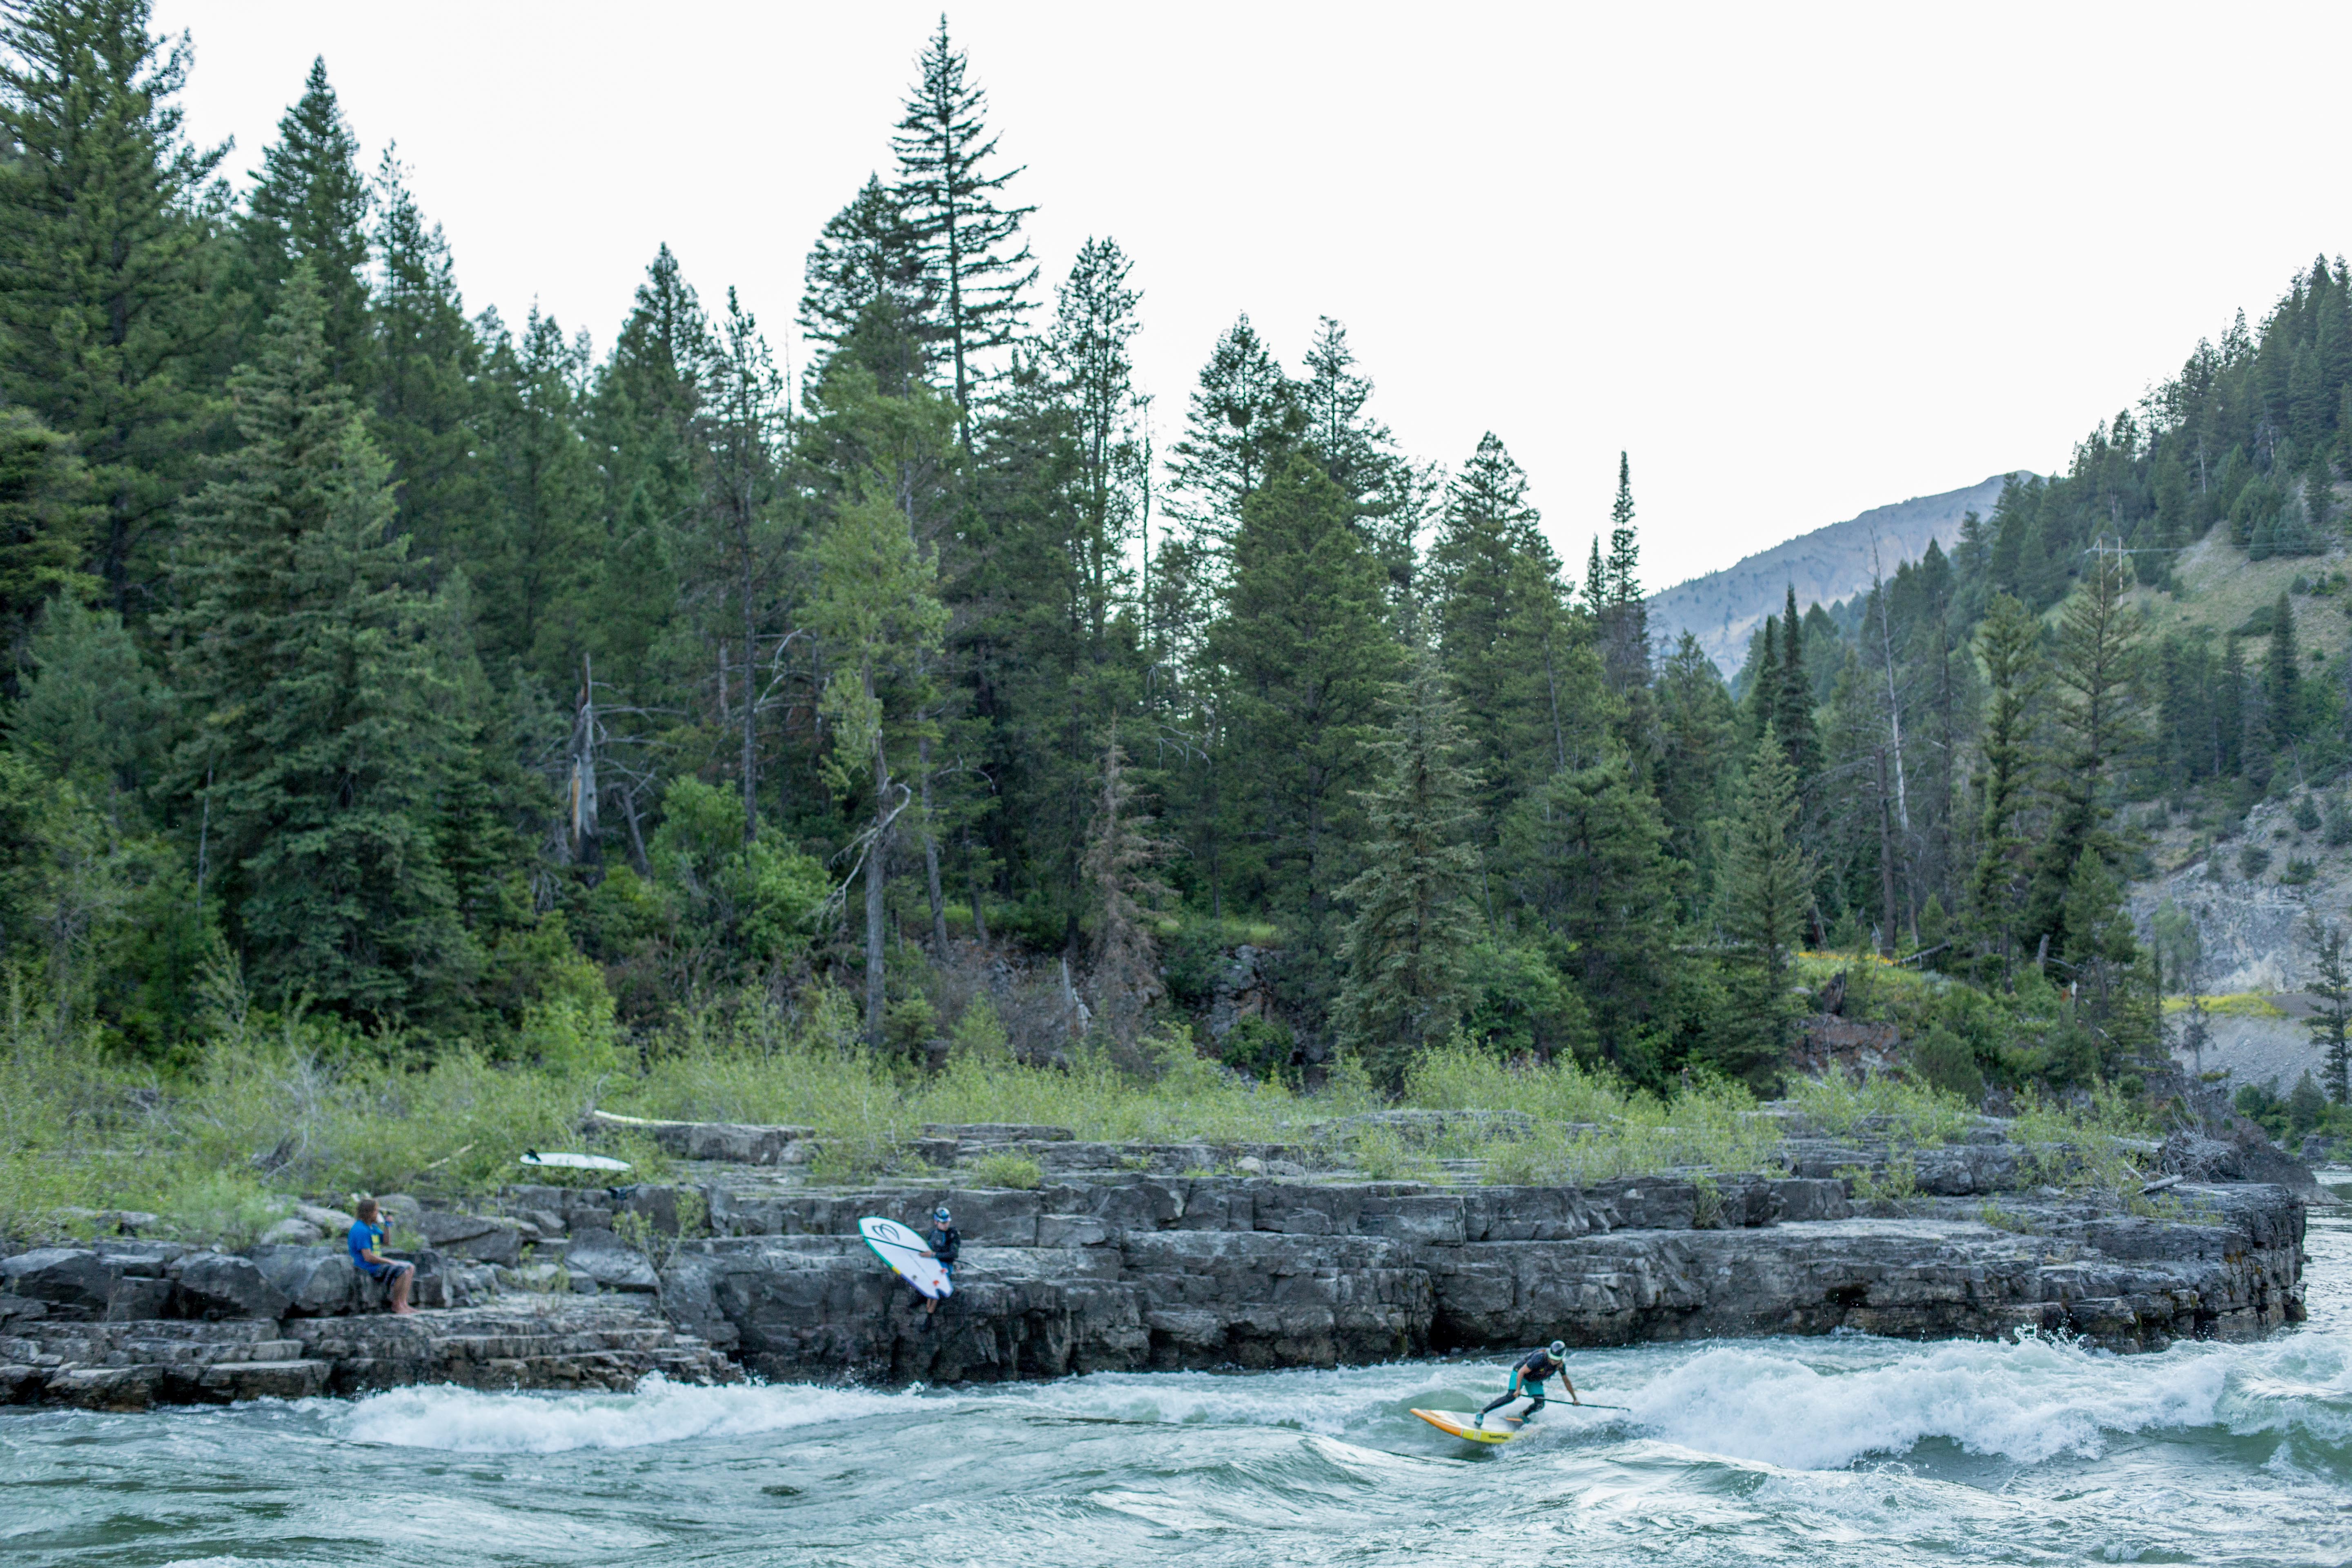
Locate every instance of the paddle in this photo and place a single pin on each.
(1588, 1405)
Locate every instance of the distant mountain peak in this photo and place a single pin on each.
(1724, 608)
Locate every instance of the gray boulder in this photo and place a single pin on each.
(217, 1285)
(318, 1281)
(72, 1277)
(139, 1299)
(292, 1232)
(473, 1237)
(600, 1255)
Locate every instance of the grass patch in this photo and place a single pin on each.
(1005, 1169)
(2234, 1004)
(1912, 1115)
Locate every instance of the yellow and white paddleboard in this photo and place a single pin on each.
(1454, 1423)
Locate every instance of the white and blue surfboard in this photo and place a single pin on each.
(908, 1255)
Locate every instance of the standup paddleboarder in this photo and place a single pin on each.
(1527, 1380)
(944, 1242)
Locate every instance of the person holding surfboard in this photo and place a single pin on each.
(366, 1235)
(944, 1242)
(1528, 1381)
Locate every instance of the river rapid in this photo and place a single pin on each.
(1841, 1451)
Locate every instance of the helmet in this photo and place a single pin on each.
(1557, 1349)
(942, 1216)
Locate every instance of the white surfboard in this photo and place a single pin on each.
(573, 1162)
(908, 1256)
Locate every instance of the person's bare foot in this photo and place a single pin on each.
(405, 1310)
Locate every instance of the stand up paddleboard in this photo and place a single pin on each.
(1499, 1427)
(572, 1162)
(908, 1256)
(1504, 1424)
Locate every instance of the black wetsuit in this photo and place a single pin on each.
(945, 1242)
(1527, 1378)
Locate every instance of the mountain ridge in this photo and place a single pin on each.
(1724, 608)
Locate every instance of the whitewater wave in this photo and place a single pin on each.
(1815, 1405)
(464, 1421)
(2028, 1400)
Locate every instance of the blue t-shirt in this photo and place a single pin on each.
(366, 1238)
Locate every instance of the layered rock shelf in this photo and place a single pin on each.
(1145, 1273)
(1183, 1256)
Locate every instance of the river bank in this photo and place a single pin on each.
(1135, 1257)
(1848, 1451)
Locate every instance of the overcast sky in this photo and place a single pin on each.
(1798, 262)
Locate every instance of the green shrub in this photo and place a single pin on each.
(2253, 861)
(1005, 1169)
(1948, 1063)
(1260, 1048)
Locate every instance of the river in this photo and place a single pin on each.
(1830, 1451)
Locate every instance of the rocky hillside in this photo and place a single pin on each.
(1724, 608)
(2252, 885)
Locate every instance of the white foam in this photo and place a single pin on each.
(461, 1420)
(2029, 1401)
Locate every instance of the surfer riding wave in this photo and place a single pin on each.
(1527, 1379)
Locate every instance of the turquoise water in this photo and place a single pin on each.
(1842, 1450)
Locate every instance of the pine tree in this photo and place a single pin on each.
(643, 416)
(1624, 617)
(104, 268)
(877, 610)
(1699, 730)
(1767, 892)
(2096, 675)
(45, 519)
(1244, 419)
(529, 540)
(738, 553)
(1302, 655)
(1763, 674)
(427, 361)
(311, 203)
(321, 733)
(1412, 927)
(2009, 645)
(1361, 454)
(91, 711)
(1093, 325)
(867, 280)
(1122, 858)
(1792, 705)
(971, 246)
(1504, 634)
(2282, 716)
(2331, 1023)
(1586, 858)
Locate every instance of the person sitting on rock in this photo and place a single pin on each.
(1527, 1380)
(944, 1242)
(366, 1237)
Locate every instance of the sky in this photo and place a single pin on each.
(1796, 261)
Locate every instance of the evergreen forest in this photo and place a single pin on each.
(461, 690)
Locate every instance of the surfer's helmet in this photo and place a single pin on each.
(942, 1216)
(1557, 1349)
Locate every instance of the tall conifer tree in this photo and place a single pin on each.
(105, 265)
(1766, 890)
(1244, 420)
(1409, 936)
(321, 734)
(1303, 655)
(952, 198)
(311, 203)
